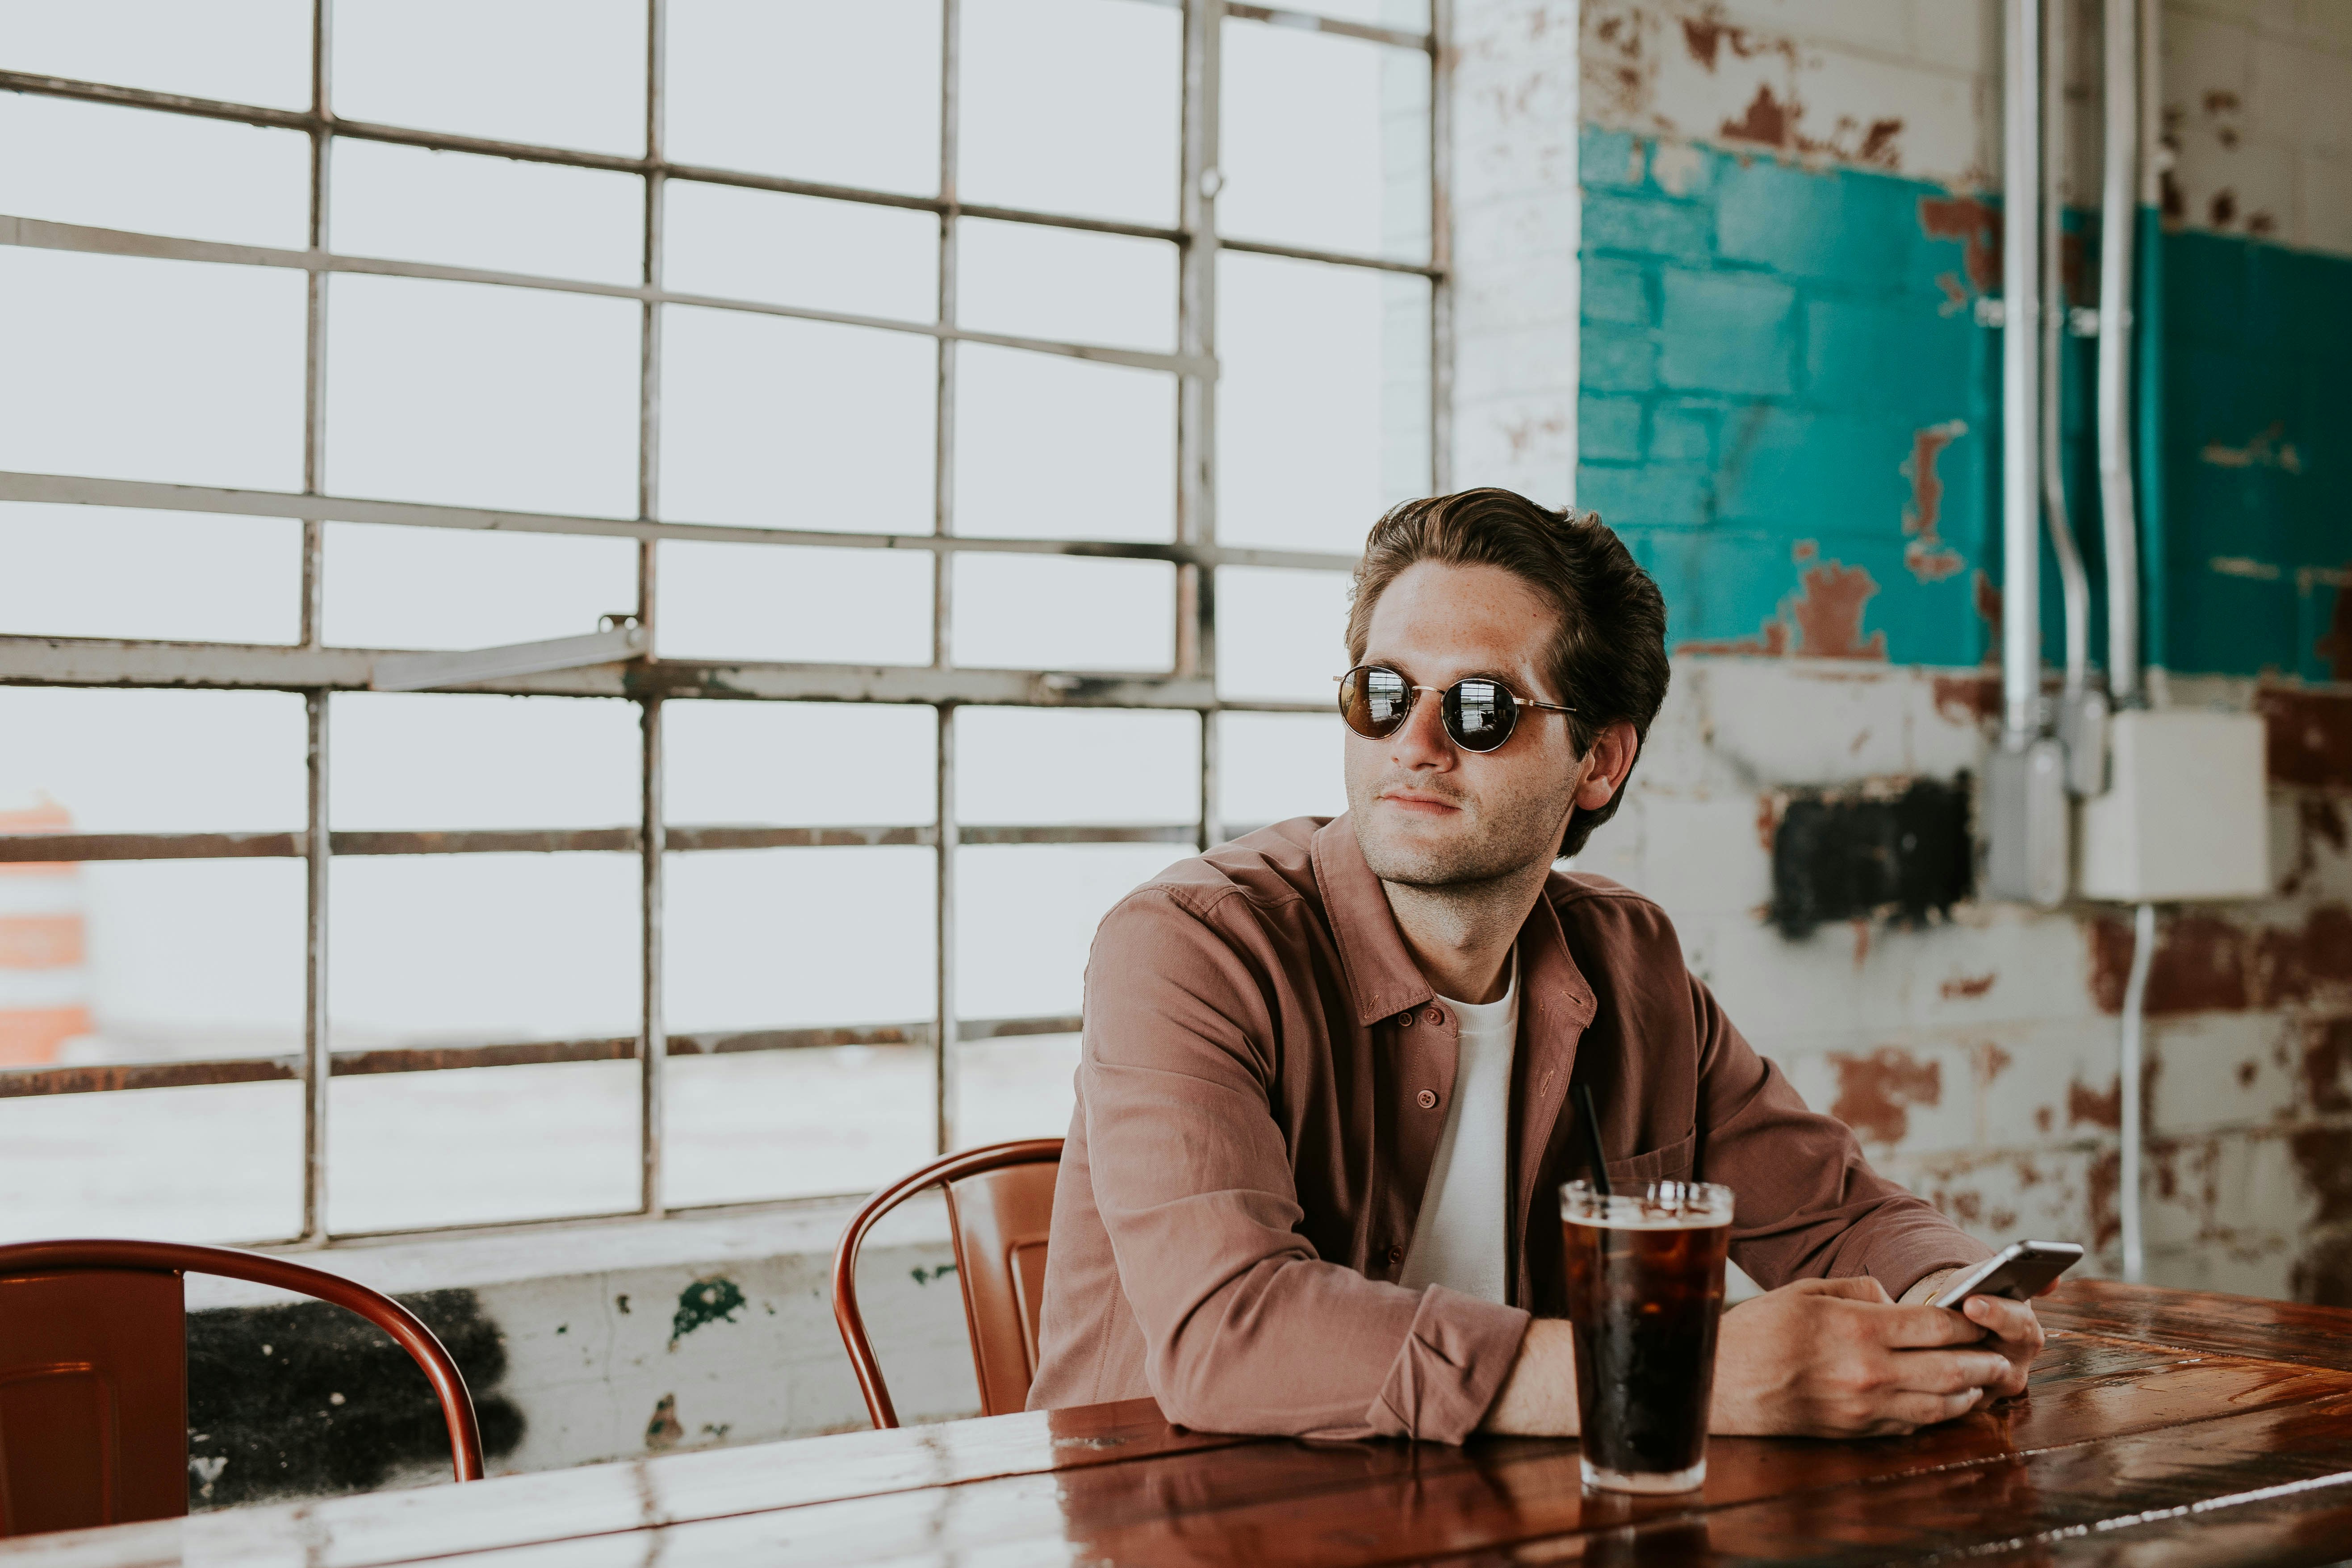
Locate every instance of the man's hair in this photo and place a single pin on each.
(1609, 661)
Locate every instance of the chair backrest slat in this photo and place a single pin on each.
(93, 1345)
(1000, 1204)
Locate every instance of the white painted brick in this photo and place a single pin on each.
(1538, 359)
(1964, 35)
(2268, 1273)
(1873, 25)
(1525, 443)
(2001, 1198)
(1705, 856)
(2323, 202)
(2048, 1082)
(2213, 1070)
(2257, 177)
(1808, 722)
(1843, 94)
(1882, 1088)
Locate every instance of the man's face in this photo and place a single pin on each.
(1427, 813)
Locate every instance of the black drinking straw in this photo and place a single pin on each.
(1593, 1139)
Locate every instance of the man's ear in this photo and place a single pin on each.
(1610, 759)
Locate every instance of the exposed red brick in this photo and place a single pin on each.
(2222, 208)
(1968, 698)
(1967, 985)
(1828, 613)
(2321, 818)
(1977, 225)
(1878, 142)
(2327, 1067)
(1766, 121)
(2084, 1103)
(2324, 1157)
(2043, 1116)
(2247, 1072)
(1768, 819)
(1990, 1061)
(2335, 645)
(2206, 964)
(1929, 557)
(1875, 1092)
(2309, 737)
(2106, 1182)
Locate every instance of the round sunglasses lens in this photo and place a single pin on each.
(1479, 714)
(1373, 702)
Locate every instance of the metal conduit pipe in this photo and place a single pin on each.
(2119, 234)
(2020, 378)
(2119, 509)
(2074, 583)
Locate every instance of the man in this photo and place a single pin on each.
(1311, 1184)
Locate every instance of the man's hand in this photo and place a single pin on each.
(1837, 1357)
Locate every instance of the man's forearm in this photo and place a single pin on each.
(1539, 1396)
(1924, 1290)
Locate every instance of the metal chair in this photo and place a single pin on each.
(94, 1375)
(1000, 1205)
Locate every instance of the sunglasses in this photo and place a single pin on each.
(1479, 713)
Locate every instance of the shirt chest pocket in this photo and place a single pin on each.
(1670, 1164)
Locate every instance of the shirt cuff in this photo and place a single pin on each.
(1453, 1363)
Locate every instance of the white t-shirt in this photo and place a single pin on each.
(1460, 1238)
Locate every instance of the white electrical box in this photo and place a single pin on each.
(2186, 815)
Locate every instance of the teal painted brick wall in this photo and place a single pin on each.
(1790, 412)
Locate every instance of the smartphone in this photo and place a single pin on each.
(2016, 1271)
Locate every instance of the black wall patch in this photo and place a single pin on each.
(1841, 855)
(307, 1400)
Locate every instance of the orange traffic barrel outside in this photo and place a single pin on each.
(44, 949)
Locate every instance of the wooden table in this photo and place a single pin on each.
(2163, 1427)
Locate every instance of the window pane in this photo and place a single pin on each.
(567, 73)
(1280, 634)
(747, 762)
(815, 90)
(221, 1163)
(1063, 449)
(1050, 612)
(94, 572)
(414, 205)
(780, 938)
(789, 424)
(476, 395)
(1019, 1086)
(422, 761)
(861, 260)
(1072, 106)
(156, 762)
(239, 51)
(389, 586)
(133, 369)
(481, 1145)
(483, 947)
(192, 958)
(1274, 766)
(1323, 402)
(1325, 143)
(1049, 765)
(768, 939)
(157, 174)
(789, 1124)
(1025, 916)
(782, 603)
(1027, 281)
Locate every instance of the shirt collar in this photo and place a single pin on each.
(1382, 978)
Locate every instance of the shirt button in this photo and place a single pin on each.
(1404, 1020)
(1426, 1100)
(1436, 1016)
(1396, 1255)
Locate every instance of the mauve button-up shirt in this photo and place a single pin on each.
(1263, 1083)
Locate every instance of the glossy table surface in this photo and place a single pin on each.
(2163, 1427)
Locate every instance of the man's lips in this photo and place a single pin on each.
(1420, 805)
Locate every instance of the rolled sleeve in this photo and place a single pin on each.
(1808, 1206)
(1450, 1368)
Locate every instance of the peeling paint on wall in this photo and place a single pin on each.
(1930, 558)
(2211, 963)
(1876, 1092)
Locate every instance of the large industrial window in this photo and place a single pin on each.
(973, 407)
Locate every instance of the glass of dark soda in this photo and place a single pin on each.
(1644, 1289)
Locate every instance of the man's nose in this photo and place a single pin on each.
(1422, 742)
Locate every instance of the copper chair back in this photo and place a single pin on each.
(1000, 1204)
(94, 1375)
